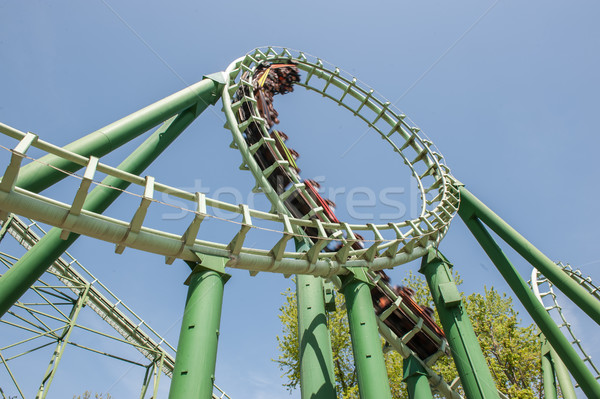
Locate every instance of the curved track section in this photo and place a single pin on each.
(385, 245)
(438, 195)
(408, 327)
(392, 244)
(542, 288)
(412, 237)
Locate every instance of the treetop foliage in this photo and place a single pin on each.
(88, 395)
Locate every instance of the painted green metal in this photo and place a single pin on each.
(5, 225)
(61, 344)
(426, 165)
(15, 282)
(366, 344)
(474, 373)
(37, 176)
(157, 373)
(382, 118)
(12, 376)
(131, 330)
(548, 371)
(562, 375)
(471, 206)
(415, 377)
(146, 380)
(548, 375)
(536, 310)
(194, 372)
(316, 357)
(153, 372)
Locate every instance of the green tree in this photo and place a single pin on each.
(512, 351)
(88, 395)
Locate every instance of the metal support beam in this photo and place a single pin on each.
(12, 376)
(471, 207)
(415, 377)
(194, 372)
(553, 368)
(157, 373)
(61, 344)
(536, 310)
(366, 344)
(15, 282)
(562, 375)
(146, 380)
(37, 176)
(548, 374)
(316, 358)
(474, 373)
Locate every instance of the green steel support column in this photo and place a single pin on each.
(415, 377)
(470, 205)
(536, 310)
(548, 375)
(474, 373)
(563, 376)
(15, 282)
(194, 372)
(37, 177)
(316, 357)
(366, 344)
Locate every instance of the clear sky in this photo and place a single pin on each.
(507, 90)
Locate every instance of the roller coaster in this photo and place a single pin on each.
(324, 253)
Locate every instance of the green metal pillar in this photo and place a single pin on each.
(15, 282)
(471, 206)
(194, 372)
(36, 176)
(562, 375)
(366, 344)
(536, 310)
(548, 374)
(316, 357)
(553, 368)
(415, 377)
(474, 373)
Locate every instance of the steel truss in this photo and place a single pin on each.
(63, 292)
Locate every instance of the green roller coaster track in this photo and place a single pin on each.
(65, 286)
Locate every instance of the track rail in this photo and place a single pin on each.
(277, 175)
(438, 195)
(543, 288)
(392, 244)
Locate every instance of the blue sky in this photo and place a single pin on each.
(507, 91)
